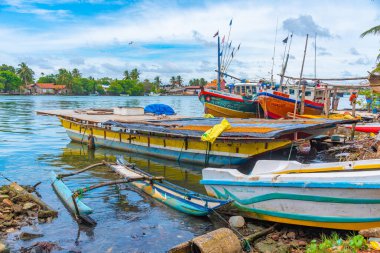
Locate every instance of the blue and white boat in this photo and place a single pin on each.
(340, 195)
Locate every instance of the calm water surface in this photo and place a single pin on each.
(32, 146)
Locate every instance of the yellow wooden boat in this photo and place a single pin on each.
(179, 139)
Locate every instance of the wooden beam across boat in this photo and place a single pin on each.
(328, 79)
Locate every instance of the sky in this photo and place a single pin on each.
(175, 37)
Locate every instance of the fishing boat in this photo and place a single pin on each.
(340, 195)
(177, 138)
(240, 104)
(366, 128)
(277, 104)
(174, 196)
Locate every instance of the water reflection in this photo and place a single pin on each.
(31, 146)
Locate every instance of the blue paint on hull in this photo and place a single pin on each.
(186, 157)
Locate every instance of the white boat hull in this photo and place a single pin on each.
(347, 200)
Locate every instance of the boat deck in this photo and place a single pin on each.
(103, 115)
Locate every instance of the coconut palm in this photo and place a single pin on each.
(179, 80)
(75, 73)
(173, 81)
(126, 75)
(64, 77)
(373, 31)
(135, 74)
(25, 73)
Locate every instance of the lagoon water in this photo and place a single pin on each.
(31, 146)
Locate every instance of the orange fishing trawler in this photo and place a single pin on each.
(277, 104)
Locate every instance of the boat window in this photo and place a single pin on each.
(249, 90)
(254, 90)
(291, 91)
(307, 93)
(237, 89)
(242, 89)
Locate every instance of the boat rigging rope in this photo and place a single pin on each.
(207, 155)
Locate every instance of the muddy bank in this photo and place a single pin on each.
(20, 208)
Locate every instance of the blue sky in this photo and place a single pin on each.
(175, 37)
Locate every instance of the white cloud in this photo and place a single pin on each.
(101, 42)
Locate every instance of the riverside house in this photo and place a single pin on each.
(47, 88)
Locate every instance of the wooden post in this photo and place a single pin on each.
(303, 86)
(353, 115)
(325, 104)
(335, 105)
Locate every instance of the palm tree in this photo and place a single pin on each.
(157, 82)
(126, 75)
(76, 73)
(374, 31)
(179, 80)
(173, 81)
(135, 74)
(25, 73)
(64, 77)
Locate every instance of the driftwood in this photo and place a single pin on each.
(19, 190)
(255, 236)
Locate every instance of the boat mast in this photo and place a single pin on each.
(303, 86)
(286, 61)
(218, 62)
(274, 53)
(315, 56)
(299, 84)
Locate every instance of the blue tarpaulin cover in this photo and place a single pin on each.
(159, 109)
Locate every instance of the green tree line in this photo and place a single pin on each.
(16, 79)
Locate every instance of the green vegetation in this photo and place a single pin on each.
(9, 80)
(334, 243)
(373, 31)
(16, 80)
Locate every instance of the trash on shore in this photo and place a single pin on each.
(19, 208)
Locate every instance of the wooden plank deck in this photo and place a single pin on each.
(99, 116)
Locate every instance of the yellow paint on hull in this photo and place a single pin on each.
(316, 170)
(234, 148)
(332, 225)
(219, 111)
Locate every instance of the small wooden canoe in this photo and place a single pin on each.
(66, 196)
(174, 196)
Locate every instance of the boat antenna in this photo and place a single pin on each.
(287, 59)
(299, 84)
(226, 47)
(315, 56)
(274, 53)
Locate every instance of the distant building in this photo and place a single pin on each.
(191, 90)
(47, 88)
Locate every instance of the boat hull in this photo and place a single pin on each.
(276, 106)
(320, 201)
(222, 104)
(367, 128)
(188, 150)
